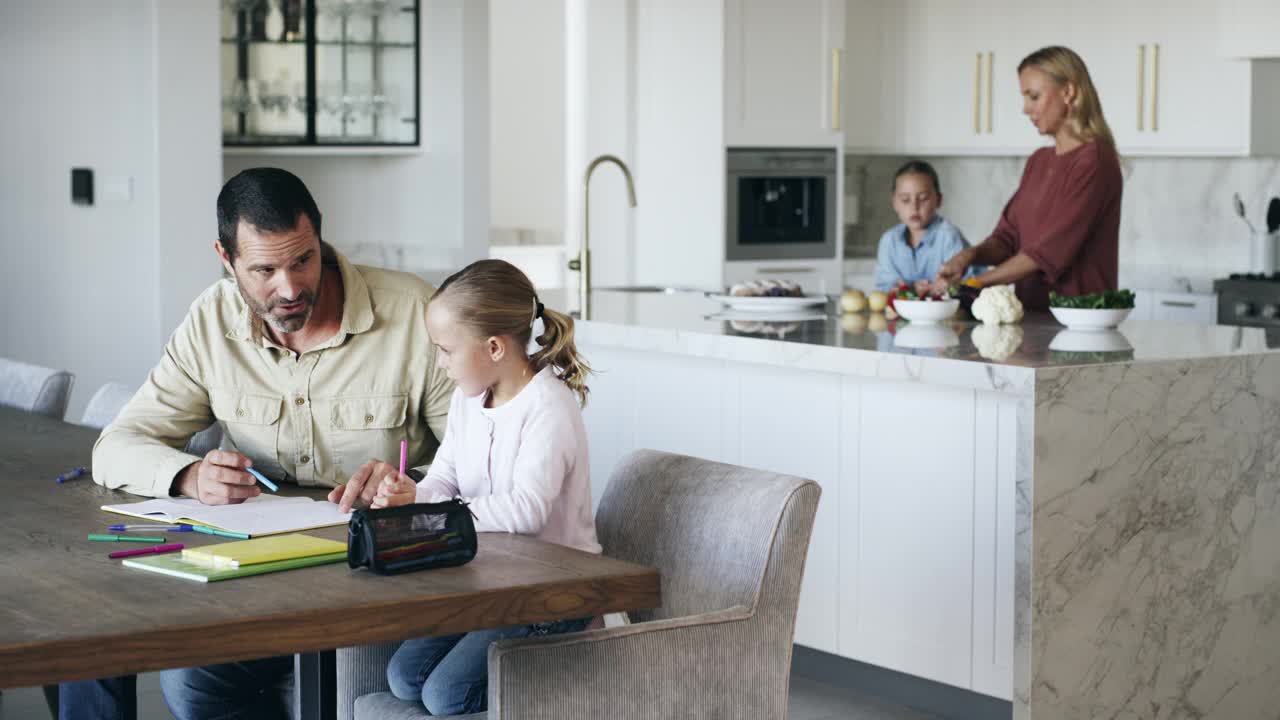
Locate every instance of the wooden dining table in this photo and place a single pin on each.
(67, 612)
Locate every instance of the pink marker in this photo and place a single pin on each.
(153, 550)
(404, 449)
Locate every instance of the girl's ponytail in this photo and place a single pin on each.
(557, 350)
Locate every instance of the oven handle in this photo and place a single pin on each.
(786, 270)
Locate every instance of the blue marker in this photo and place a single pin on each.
(262, 479)
(71, 475)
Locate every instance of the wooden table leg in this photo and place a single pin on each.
(315, 685)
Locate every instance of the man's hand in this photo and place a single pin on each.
(218, 479)
(395, 490)
(953, 270)
(363, 485)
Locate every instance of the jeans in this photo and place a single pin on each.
(249, 690)
(449, 674)
(104, 699)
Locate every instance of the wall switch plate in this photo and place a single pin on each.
(117, 188)
(82, 186)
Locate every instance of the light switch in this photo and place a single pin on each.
(850, 209)
(82, 186)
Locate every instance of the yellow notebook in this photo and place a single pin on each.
(263, 549)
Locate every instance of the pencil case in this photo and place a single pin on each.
(421, 536)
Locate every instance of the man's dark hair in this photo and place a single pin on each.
(918, 167)
(270, 199)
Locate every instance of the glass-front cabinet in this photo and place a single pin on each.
(320, 73)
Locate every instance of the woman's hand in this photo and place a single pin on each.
(395, 490)
(953, 270)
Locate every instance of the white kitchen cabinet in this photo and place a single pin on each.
(782, 68)
(1248, 28)
(940, 77)
(1192, 308)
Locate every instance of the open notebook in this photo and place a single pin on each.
(261, 515)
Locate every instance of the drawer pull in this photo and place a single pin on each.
(1178, 304)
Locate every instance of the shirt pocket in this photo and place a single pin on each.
(252, 423)
(366, 428)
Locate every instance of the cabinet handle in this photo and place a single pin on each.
(977, 95)
(1177, 303)
(786, 270)
(1155, 86)
(835, 89)
(990, 60)
(1142, 84)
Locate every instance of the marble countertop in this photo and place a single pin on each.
(689, 323)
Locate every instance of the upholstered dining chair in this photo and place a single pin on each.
(730, 546)
(34, 388)
(111, 398)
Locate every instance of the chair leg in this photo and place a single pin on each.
(51, 699)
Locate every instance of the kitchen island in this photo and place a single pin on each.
(1085, 525)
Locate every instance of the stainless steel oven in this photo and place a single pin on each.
(781, 204)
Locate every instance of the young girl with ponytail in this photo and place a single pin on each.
(515, 449)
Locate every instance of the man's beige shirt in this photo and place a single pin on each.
(311, 419)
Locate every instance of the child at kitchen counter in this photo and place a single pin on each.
(912, 251)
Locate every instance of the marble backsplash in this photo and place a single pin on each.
(1177, 219)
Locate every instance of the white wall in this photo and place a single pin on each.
(126, 89)
(427, 213)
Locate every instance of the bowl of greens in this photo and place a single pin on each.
(1095, 311)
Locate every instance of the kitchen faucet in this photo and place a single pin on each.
(582, 263)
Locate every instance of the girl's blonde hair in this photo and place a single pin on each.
(494, 298)
(1085, 117)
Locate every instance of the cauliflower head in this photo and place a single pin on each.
(998, 305)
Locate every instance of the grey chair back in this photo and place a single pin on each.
(709, 528)
(106, 404)
(36, 389)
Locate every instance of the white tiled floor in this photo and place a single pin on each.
(810, 700)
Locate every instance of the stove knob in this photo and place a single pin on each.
(1243, 309)
(1270, 311)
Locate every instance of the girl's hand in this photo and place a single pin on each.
(395, 490)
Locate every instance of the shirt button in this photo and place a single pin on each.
(299, 401)
(305, 459)
(368, 419)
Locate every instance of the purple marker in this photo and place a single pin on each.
(165, 528)
(71, 475)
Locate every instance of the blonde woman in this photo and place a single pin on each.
(1061, 229)
(515, 449)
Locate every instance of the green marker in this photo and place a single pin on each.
(125, 538)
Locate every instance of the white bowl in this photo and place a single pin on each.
(1079, 319)
(926, 312)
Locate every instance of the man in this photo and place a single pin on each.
(314, 367)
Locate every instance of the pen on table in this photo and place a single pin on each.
(219, 533)
(262, 479)
(165, 528)
(72, 475)
(153, 550)
(404, 448)
(124, 538)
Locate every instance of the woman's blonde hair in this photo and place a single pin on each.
(1085, 118)
(494, 298)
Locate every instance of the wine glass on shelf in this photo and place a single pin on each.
(240, 99)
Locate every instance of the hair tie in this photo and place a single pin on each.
(538, 314)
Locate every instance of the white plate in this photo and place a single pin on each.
(1081, 319)
(926, 312)
(749, 303)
